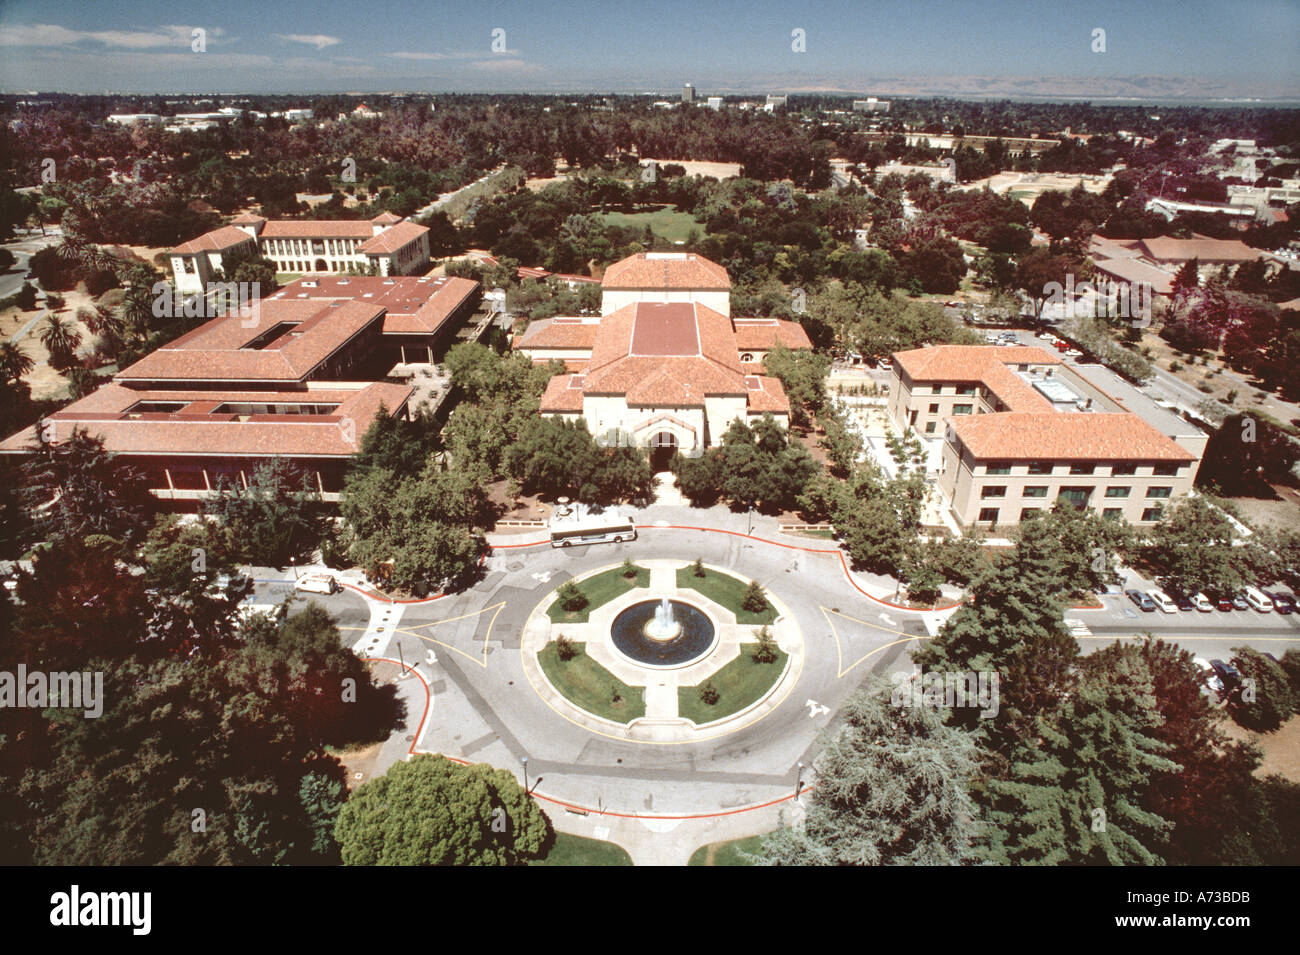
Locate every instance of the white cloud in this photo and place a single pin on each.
(53, 35)
(506, 66)
(318, 40)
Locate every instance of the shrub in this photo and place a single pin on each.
(566, 649)
(708, 693)
(697, 568)
(571, 597)
(755, 601)
(766, 650)
(629, 568)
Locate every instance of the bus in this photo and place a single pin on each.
(593, 529)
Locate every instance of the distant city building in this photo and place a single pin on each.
(871, 105)
(715, 102)
(130, 119)
(688, 93)
(773, 101)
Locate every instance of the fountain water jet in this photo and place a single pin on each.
(663, 627)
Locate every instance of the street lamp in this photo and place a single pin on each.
(798, 781)
(524, 760)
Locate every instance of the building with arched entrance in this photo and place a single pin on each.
(667, 373)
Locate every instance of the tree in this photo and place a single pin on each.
(431, 811)
(1193, 543)
(14, 362)
(893, 788)
(1245, 456)
(278, 517)
(1041, 276)
(571, 596)
(765, 650)
(803, 374)
(754, 599)
(75, 488)
(1264, 699)
(61, 339)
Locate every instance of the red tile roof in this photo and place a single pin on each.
(762, 334)
(217, 240)
(558, 333)
(317, 229)
(1166, 249)
(663, 271)
(218, 350)
(386, 218)
(1065, 436)
(563, 394)
(413, 305)
(198, 431)
(393, 238)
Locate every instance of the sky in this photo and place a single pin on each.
(1192, 48)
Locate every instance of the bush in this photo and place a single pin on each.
(629, 568)
(571, 597)
(566, 649)
(708, 693)
(755, 601)
(697, 568)
(766, 650)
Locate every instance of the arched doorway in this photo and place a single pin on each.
(321, 266)
(662, 447)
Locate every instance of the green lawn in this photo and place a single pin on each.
(286, 278)
(667, 223)
(600, 589)
(587, 684)
(726, 590)
(739, 683)
(579, 850)
(726, 853)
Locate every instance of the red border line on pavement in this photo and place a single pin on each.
(428, 701)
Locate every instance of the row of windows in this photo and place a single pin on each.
(1040, 490)
(989, 515)
(309, 247)
(1079, 468)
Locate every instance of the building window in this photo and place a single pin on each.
(1036, 490)
(994, 490)
(967, 390)
(961, 409)
(1112, 513)
(929, 427)
(1040, 467)
(1165, 470)
(1118, 491)
(1152, 514)
(747, 357)
(998, 467)
(934, 407)
(1121, 470)
(1027, 512)
(1159, 491)
(1082, 468)
(1078, 496)
(988, 515)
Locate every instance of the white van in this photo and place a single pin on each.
(1258, 600)
(317, 583)
(1163, 601)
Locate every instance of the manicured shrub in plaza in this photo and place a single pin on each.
(765, 651)
(708, 693)
(565, 648)
(571, 596)
(755, 601)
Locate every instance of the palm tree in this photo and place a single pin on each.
(61, 338)
(14, 362)
(105, 323)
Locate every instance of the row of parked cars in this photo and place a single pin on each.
(1171, 600)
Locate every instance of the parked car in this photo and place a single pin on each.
(1282, 603)
(1180, 599)
(1202, 603)
(1228, 673)
(1162, 601)
(1212, 680)
(317, 583)
(1239, 601)
(1144, 603)
(1258, 600)
(1220, 600)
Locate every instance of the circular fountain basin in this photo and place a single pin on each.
(635, 636)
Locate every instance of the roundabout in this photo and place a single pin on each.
(662, 663)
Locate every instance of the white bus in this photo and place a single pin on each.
(593, 529)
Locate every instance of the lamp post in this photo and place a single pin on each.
(798, 782)
(524, 760)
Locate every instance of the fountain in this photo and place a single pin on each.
(662, 633)
(663, 627)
